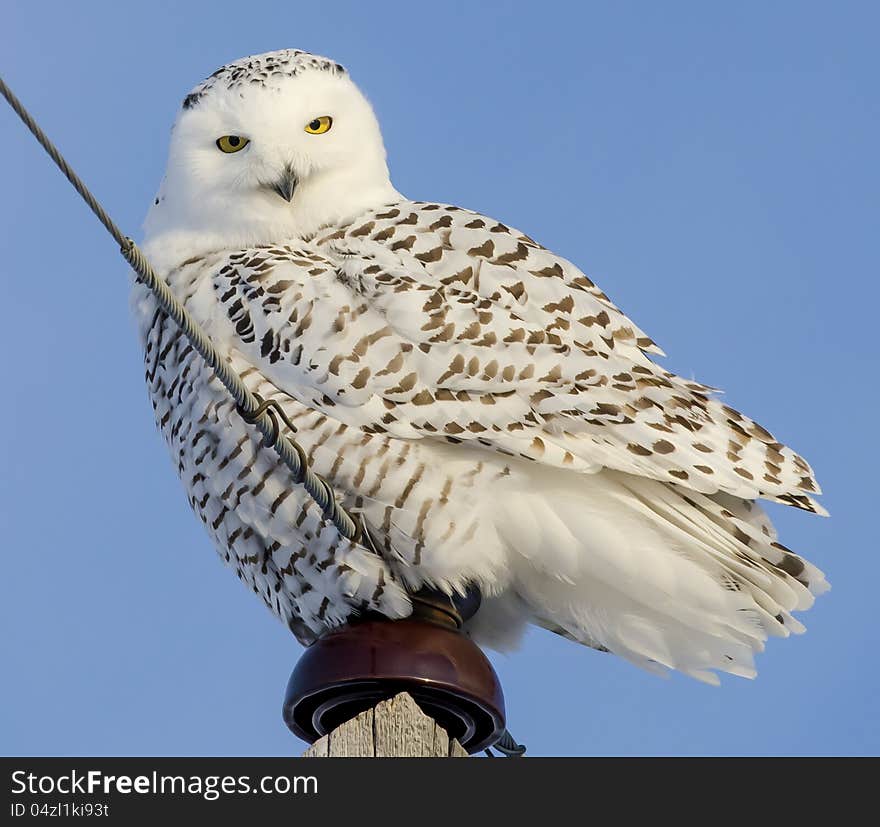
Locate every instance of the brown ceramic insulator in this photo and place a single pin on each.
(354, 667)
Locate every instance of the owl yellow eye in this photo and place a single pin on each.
(232, 143)
(320, 125)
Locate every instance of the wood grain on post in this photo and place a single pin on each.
(395, 728)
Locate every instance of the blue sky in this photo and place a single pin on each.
(712, 166)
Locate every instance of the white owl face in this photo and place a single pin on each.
(267, 156)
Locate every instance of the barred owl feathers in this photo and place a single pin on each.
(489, 412)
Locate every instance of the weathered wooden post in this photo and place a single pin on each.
(396, 728)
(412, 687)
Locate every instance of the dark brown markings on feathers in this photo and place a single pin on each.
(445, 334)
(464, 276)
(364, 229)
(411, 483)
(423, 397)
(601, 318)
(521, 253)
(360, 379)
(553, 375)
(279, 499)
(431, 255)
(774, 455)
(407, 383)
(791, 564)
(456, 366)
(565, 305)
(404, 244)
(234, 453)
(471, 331)
(800, 464)
(418, 532)
(380, 477)
(485, 250)
(516, 290)
(549, 272)
(383, 235)
(732, 414)
(261, 484)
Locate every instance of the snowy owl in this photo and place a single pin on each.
(485, 410)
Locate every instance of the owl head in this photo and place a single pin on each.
(269, 147)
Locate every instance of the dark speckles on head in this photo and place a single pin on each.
(262, 70)
(191, 100)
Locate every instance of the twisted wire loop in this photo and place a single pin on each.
(274, 411)
(263, 414)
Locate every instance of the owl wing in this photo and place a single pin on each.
(429, 321)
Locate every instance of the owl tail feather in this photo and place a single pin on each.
(667, 578)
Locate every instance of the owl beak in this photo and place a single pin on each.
(286, 185)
